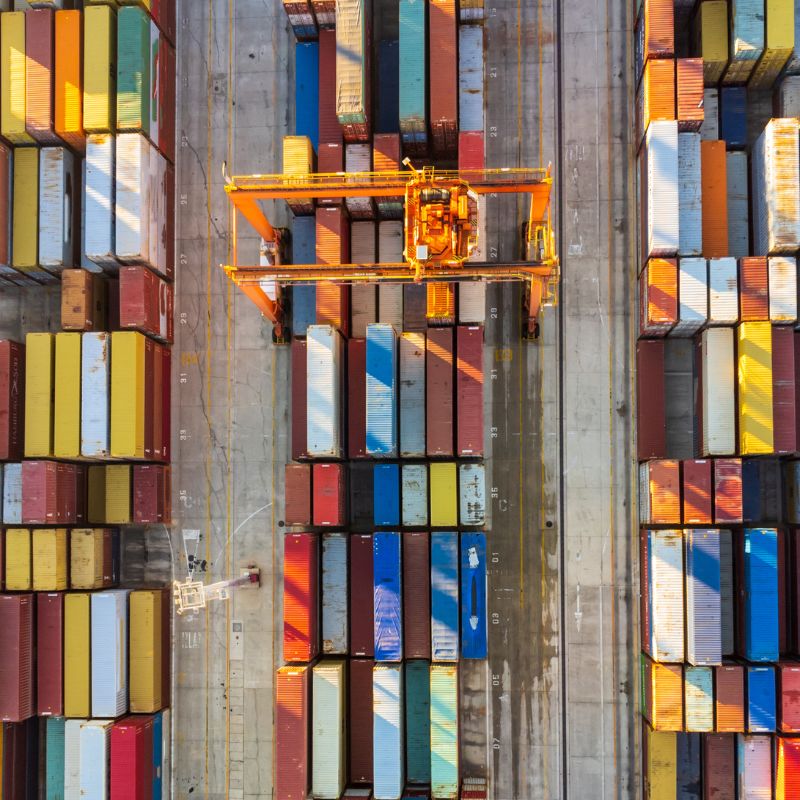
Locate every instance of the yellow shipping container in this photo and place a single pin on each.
(298, 159)
(12, 74)
(441, 301)
(96, 490)
(49, 559)
(712, 31)
(99, 69)
(127, 394)
(778, 43)
(18, 560)
(755, 388)
(67, 419)
(118, 494)
(25, 221)
(661, 767)
(112, 3)
(142, 3)
(444, 499)
(77, 655)
(39, 366)
(145, 651)
(86, 558)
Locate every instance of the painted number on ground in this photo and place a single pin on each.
(493, 313)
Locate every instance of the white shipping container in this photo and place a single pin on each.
(364, 305)
(412, 396)
(390, 304)
(109, 648)
(698, 699)
(666, 595)
(738, 205)
(72, 759)
(95, 377)
(328, 745)
(334, 593)
(690, 195)
(390, 242)
(358, 158)
(718, 387)
(470, 78)
(479, 253)
(709, 128)
(157, 234)
(776, 201)
(387, 732)
(99, 200)
(754, 767)
(323, 370)
(723, 291)
(692, 296)
(12, 494)
(415, 495)
(95, 753)
(472, 302)
(363, 242)
(472, 494)
(58, 184)
(661, 154)
(788, 95)
(782, 271)
(726, 590)
(133, 199)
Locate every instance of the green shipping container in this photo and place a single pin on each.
(418, 722)
(133, 70)
(444, 731)
(413, 114)
(54, 759)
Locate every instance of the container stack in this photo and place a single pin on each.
(86, 200)
(719, 200)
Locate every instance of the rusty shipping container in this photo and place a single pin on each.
(753, 289)
(719, 773)
(83, 301)
(292, 724)
(12, 407)
(439, 400)
(16, 657)
(660, 492)
(329, 128)
(469, 391)
(650, 412)
(152, 492)
(297, 494)
(357, 398)
(697, 492)
(416, 595)
(146, 303)
(49, 653)
(689, 91)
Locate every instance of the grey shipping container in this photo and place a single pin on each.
(390, 304)
(415, 495)
(412, 395)
(334, 593)
(472, 494)
(364, 306)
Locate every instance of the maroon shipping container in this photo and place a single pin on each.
(39, 74)
(697, 492)
(12, 404)
(170, 214)
(16, 657)
(360, 721)
(166, 400)
(442, 24)
(719, 770)
(470, 151)
(145, 303)
(415, 307)
(163, 12)
(166, 100)
(132, 758)
(416, 595)
(67, 493)
(149, 372)
(753, 289)
(40, 492)
(49, 653)
(157, 390)
(361, 596)
(329, 128)
(788, 690)
(469, 391)
(727, 490)
(151, 494)
(357, 398)
(297, 494)
(439, 395)
(651, 440)
(784, 400)
(329, 483)
(729, 698)
(299, 431)
(330, 158)
(292, 733)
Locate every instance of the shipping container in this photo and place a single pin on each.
(39, 73)
(54, 766)
(329, 128)
(662, 694)
(359, 744)
(472, 303)
(306, 90)
(304, 244)
(412, 396)
(689, 93)
(738, 204)
(658, 297)
(40, 492)
(386, 152)
(656, 95)
(50, 560)
(329, 505)
(95, 751)
(304, 298)
(67, 400)
(663, 594)
(723, 291)
(116, 485)
(709, 130)
(443, 68)
(72, 764)
(714, 199)
(77, 636)
(760, 699)
(357, 398)
(733, 116)
(787, 95)
(16, 657)
(390, 303)
(358, 158)
(756, 554)
(361, 501)
(152, 494)
(83, 301)
(690, 199)
(109, 615)
(754, 766)
(726, 591)
(784, 392)
(413, 76)
(161, 750)
(660, 492)
(469, 391)
(729, 698)
(699, 699)
(387, 731)
(328, 724)
(660, 179)
(300, 599)
(298, 159)
(414, 495)
(439, 403)
(787, 770)
(131, 748)
(415, 298)
(472, 494)
(718, 398)
(12, 383)
(301, 17)
(388, 604)
(334, 585)
(719, 773)
(146, 303)
(133, 70)
(703, 610)
(49, 654)
(363, 296)
(297, 494)
(474, 637)
(361, 596)
(25, 216)
(417, 722)
(754, 351)
(444, 731)
(753, 289)
(18, 560)
(470, 78)
(323, 381)
(99, 69)
(333, 301)
(697, 490)
(68, 79)
(381, 391)
(353, 65)
(440, 303)
(149, 653)
(299, 383)
(660, 763)
(13, 95)
(416, 595)
(99, 201)
(386, 494)
(292, 711)
(387, 117)
(443, 498)
(128, 377)
(746, 41)
(444, 597)
(782, 279)
(390, 246)
(12, 494)
(650, 419)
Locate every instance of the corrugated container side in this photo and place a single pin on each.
(387, 578)
(651, 437)
(658, 297)
(782, 272)
(133, 70)
(469, 391)
(328, 724)
(54, 740)
(787, 771)
(329, 483)
(697, 490)
(747, 41)
(760, 699)
(709, 130)
(335, 581)
(754, 351)
(472, 494)
(413, 83)
(353, 84)
(300, 599)
(439, 403)
(738, 205)
(662, 196)
(12, 409)
(416, 595)
(356, 398)
(131, 749)
(363, 296)
(146, 303)
(444, 597)
(388, 114)
(298, 389)
(443, 492)
(470, 78)
(784, 390)
(298, 159)
(297, 493)
(703, 609)
(719, 415)
(386, 152)
(99, 69)
(59, 188)
(361, 596)
(127, 394)
(689, 195)
(733, 116)
(443, 91)
(387, 732)
(689, 91)
(666, 595)
(68, 79)
(444, 731)
(729, 698)
(418, 722)
(359, 745)
(39, 73)
(67, 400)
(13, 67)
(412, 395)
(414, 495)
(50, 561)
(99, 201)
(699, 699)
(390, 245)
(109, 621)
(358, 158)
(753, 289)
(329, 128)
(135, 203)
(415, 300)
(149, 663)
(778, 44)
(714, 199)
(386, 494)
(754, 766)
(692, 296)
(306, 91)
(381, 391)
(323, 381)
(660, 492)
(95, 735)
(16, 657)
(474, 643)
(25, 219)
(660, 762)
(756, 553)
(723, 291)
(292, 701)
(663, 689)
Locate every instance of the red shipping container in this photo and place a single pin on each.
(132, 758)
(719, 767)
(442, 25)
(469, 391)
(788, 690)
(651, 423)
(357, 398)
(330, 158)
(66, 493)
(727, 490)
(49, 653)
(333, 305)
(151, 494)
(299, 431)
(697, 492)
(297, 494)
(439, 395)
(166, 408)
(658, 297)
(361, 596)
(16, 657)
(329, 483)
(300, 597)
(12, 405)
(292, 726)
(470, 151)
(39, 75)
(784, 391)
(163, 12)
(329, 128)
(166, 99)
(660, 502)
(753, 289)
(416, 595)
(40, 492)
(360, 721)
(689, 88)
(729, 698)
(146, 303)
(333, 238)
(787, 771)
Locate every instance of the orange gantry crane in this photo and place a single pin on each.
(441, 230)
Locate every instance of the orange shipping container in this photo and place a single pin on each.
(657, 21)
(660, 492)
(68, 88)
(658, 297)
(441, 303)
(689, 85)
(656, 98)
(714, 183)
(662, 690)
(753, 289)
(443, 75)
(39, 56)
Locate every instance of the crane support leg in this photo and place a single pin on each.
(271, 309)
(534, 304)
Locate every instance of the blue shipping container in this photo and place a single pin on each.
(703, 605)
(386, 497)
(158, 754)
(306, 91)
(473, 595)
(760, 699)
(733, 116)
(413, 80)
(689, 776)
(388, 119)
(334, 593)
(54, 759)
(381, 390)
(418, 722)
(761, 594)
(387, 730)
(761, 490)
(387, 577)
(444, 596)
